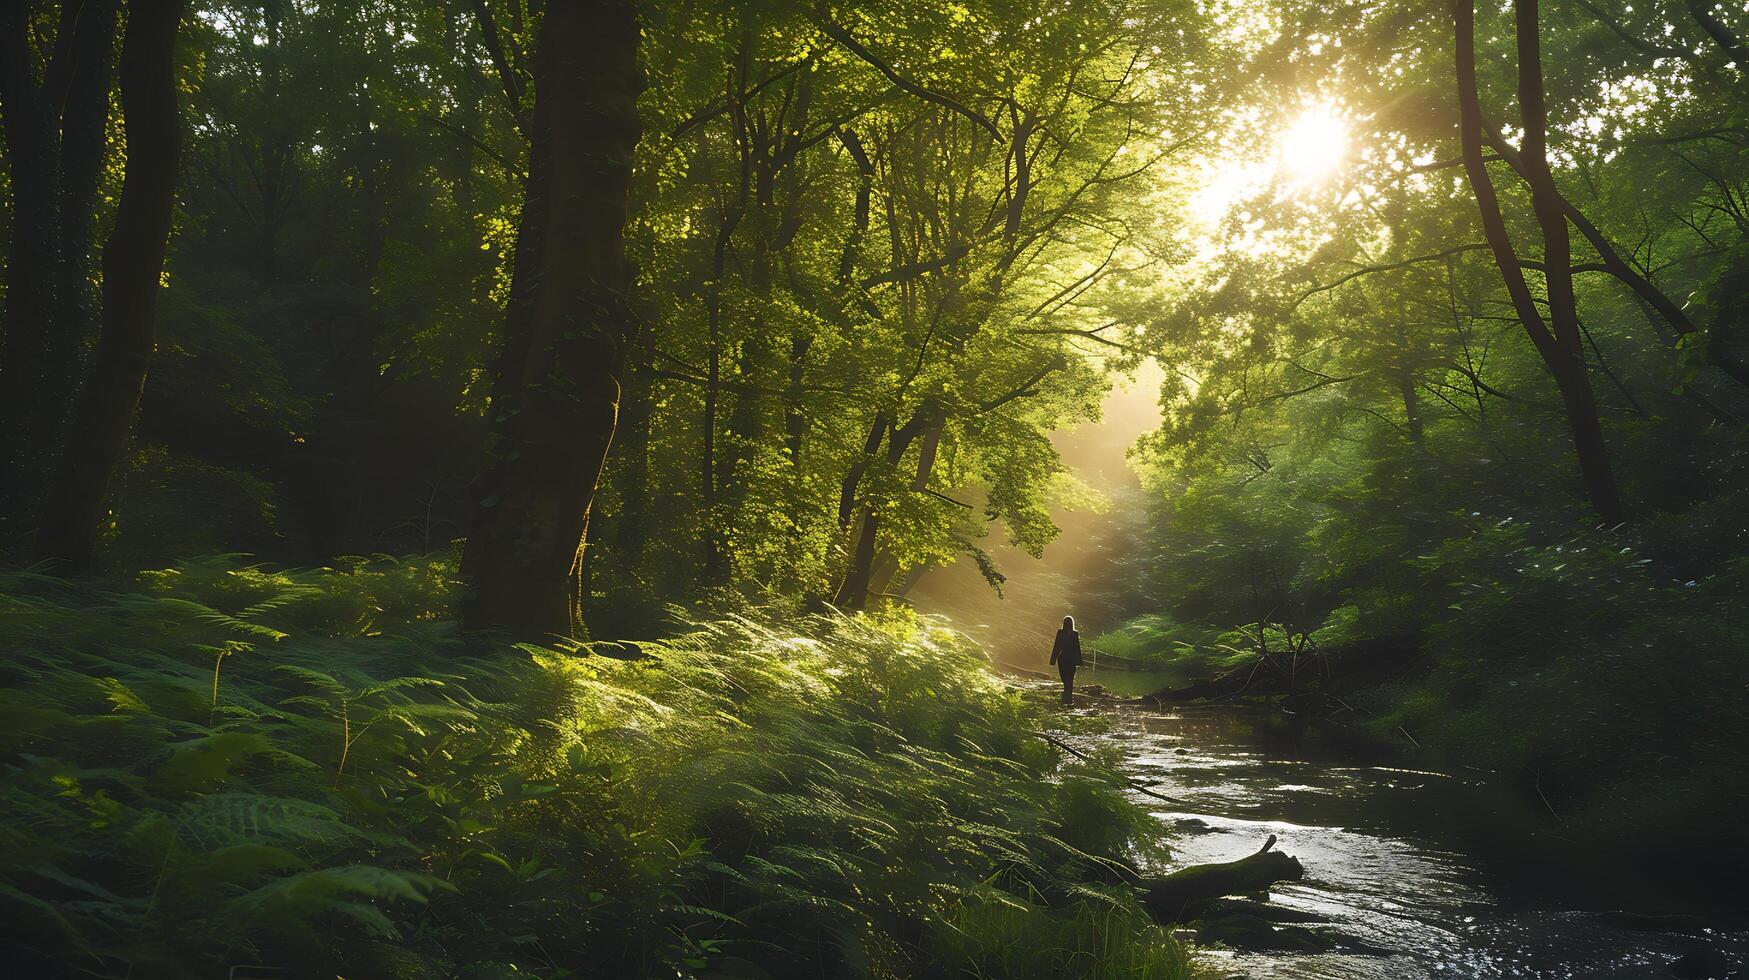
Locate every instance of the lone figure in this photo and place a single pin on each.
(1066, 654)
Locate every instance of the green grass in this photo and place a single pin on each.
(220, 766)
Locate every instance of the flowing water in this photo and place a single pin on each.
(1433, 875)
(1392, 857)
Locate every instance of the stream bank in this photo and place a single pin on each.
(1399, 861)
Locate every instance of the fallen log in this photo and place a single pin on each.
(1284, 673)
(1174, 898)
(1135, 784)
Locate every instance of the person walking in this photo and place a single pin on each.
(1066, 654)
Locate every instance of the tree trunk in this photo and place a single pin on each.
(1570, 372)
(848, 488)
(55, 146)
(83, 121)
(853, 593)
(1559, 348)
(926, 422)
(1411, 405)
(561, 373)
(713, 544)
(32, 382)
(795, 424)
(133, 264)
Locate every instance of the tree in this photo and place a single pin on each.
(133, 266)
(1557, 339)
(56, 149)
(556, 393)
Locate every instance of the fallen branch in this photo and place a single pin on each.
(1135, 784)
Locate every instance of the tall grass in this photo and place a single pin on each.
(221, 766)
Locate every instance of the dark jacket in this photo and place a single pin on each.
(1066, 652)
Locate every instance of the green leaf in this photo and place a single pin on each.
(204, 763)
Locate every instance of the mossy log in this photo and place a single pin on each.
(1175, 897)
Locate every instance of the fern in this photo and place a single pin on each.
(232, 766)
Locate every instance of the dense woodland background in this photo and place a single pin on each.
(305, 280)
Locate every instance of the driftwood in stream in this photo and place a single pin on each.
(1176, 897)
(1287, 673)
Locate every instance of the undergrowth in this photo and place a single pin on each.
(226, 769)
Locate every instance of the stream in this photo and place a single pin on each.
(1391, 854)
(1432, 871)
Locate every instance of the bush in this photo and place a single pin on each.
(227, 766)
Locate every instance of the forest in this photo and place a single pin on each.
(479, 482)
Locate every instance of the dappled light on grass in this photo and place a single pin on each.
(365, 793)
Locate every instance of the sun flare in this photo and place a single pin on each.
(1313, 147)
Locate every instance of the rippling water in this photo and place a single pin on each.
(1391, 858)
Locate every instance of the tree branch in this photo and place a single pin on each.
(1388, 267)
(506, 74)
(1025, 389)
(917, 269)
(843, 37)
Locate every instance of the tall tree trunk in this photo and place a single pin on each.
(795, 424)
(561, 376)
(55, 145)
(1571, 374)
(853, 592)
(926, 422)
(1559, 348)
(133, 264)
(713, 543)
(31, 385)
(274, 156)
(1411, 405)
(84, 118)
(847, 491)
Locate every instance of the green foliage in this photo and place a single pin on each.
(1595, 668)
(170, 506)
(999, 934)
(369, 796)
(1184, 649)
(1361, 441)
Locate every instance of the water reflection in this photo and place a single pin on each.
(1395, 857)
